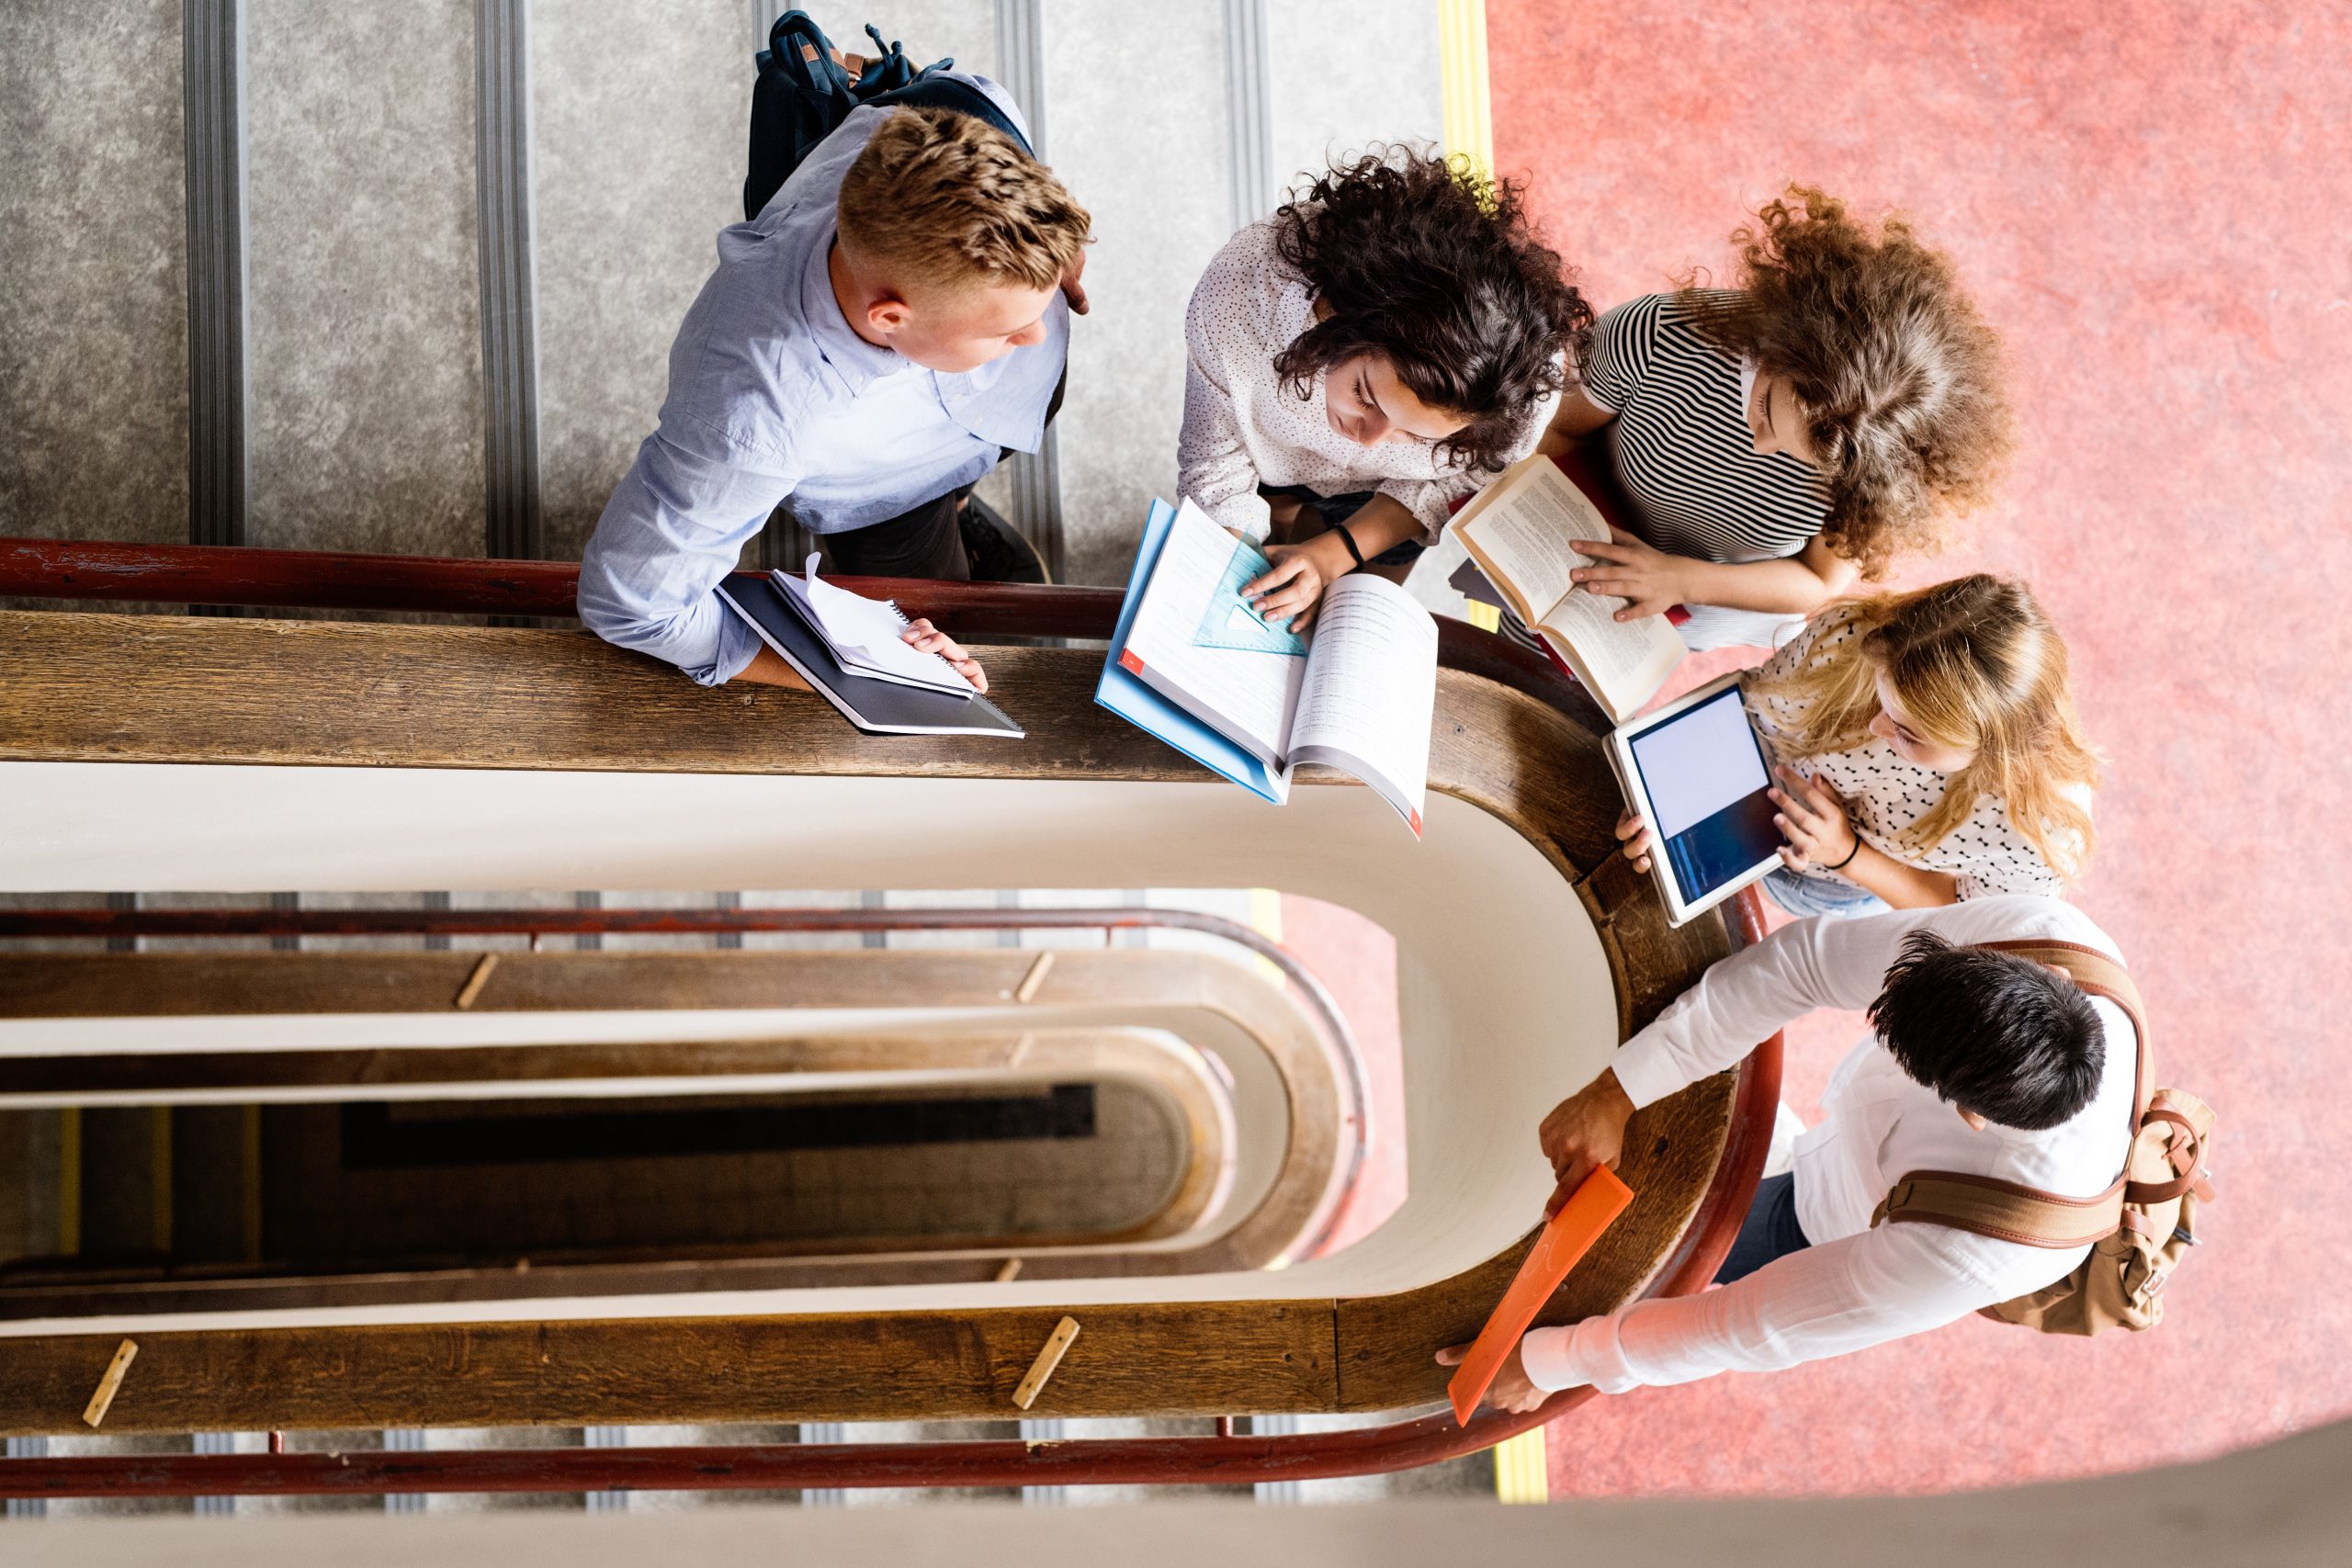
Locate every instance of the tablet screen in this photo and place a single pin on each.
(1704, 771)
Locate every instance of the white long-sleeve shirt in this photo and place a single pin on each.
(1854, 1287)
(1243, 428)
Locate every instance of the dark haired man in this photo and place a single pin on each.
(1979, 1061)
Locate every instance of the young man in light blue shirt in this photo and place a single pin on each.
(894, 320)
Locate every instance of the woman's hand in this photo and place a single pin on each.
(1585, 1129)
(1294, 588)
(925, 637)
(1513, 1390)
(1647, 578)
(1813, 818)
(1633, 839)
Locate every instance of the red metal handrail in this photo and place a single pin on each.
(447, 585)
(196, 574)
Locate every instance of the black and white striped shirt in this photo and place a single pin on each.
(1687, 461)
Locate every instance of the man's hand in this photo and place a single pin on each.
(1072, 289)
(1294, 588)
(1585, 1129)
(1633, 839)
(1813, 818)
(928, 638)
(1511, 1388)
(1648, 580)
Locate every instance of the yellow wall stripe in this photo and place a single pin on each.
(1520, 1476)
(1469, 130)
(1461, 72)
(1266, 919)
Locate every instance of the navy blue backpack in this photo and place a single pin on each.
(803, 94)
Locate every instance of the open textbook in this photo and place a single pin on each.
(1193, 664)
(1521, 530)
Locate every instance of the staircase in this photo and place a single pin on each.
(120, 1188)
(278, 278)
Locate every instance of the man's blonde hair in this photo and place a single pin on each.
(949, 199)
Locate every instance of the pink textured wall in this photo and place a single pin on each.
(2153, 202)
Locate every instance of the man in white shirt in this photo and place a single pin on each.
(1980, 1062)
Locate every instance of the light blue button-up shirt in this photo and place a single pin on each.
(773, 395)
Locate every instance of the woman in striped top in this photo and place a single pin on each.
(1780, 439)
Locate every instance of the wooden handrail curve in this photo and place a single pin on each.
(1509, 740)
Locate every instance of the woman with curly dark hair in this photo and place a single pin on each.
(1387, 343)
(1783, 438)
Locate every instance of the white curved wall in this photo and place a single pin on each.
(1505, 1000)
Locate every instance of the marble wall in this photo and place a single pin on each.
(1144, 145)
(364, 350)
(93, 280)
(1349, 73)
(637, 148)
(365, 347)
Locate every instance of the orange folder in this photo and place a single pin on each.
(1590, 1209)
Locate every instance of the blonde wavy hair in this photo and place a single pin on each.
(952, 200)
(1976, 665)
(1900, 376)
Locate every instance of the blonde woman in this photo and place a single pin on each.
(1780, 440)
(1929, 752)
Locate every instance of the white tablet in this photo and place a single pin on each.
(1696, 771)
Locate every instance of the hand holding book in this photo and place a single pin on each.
(1646, 577)
(925, 637)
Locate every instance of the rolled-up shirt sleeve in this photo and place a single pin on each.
(676, 525)
(1214, 469)
(1743, 1000)
(1828, 1300)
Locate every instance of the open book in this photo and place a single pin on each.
(1193, 664)
(1521, 530)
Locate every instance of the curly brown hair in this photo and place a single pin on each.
(1900, 376)
(1438, 268)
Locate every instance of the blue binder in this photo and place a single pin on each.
(1127, 696)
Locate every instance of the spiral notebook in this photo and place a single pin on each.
(879, 702)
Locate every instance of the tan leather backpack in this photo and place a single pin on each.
(2138, 1230)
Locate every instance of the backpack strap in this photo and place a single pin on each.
(2005, 1211)
(2010, 1211)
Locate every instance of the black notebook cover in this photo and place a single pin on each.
(883, 707)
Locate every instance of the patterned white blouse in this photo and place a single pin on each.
(1243, 428)
(1885, 793)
